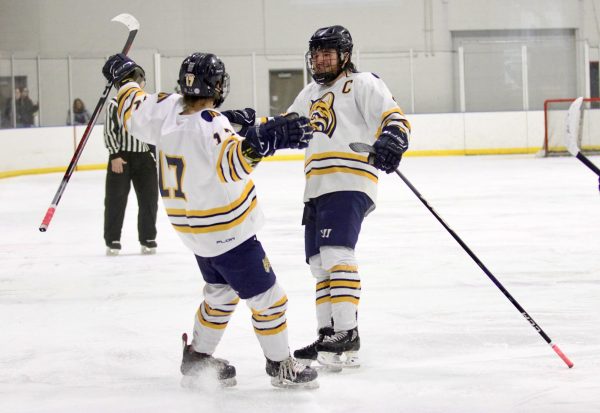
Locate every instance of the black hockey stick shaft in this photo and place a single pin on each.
(588, 163)
(368, 148)
(133, 26)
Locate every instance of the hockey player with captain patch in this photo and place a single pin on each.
(203, 170)
(344, 106)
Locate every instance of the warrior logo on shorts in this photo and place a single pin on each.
(322, 115)
(266, 264)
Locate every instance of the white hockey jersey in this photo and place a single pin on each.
(354, 109)
(202, 174)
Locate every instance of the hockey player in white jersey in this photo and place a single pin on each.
(203, 170)
(343, 106)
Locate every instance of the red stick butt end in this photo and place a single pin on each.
(47, 219)
(562, 356)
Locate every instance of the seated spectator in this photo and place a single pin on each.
(80, 114)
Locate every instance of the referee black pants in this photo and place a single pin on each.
(140, 170)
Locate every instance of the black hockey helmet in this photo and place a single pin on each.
(331, 37)
(203, 75)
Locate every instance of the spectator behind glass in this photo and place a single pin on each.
(25, 108)
(80, 114)
(7, 115)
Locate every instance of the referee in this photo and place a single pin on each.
(130, 161)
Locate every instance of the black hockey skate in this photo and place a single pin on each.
(289, 374)
(340, 350)
(113, 248)
(194, 364)
(148, 247)
(306, 355)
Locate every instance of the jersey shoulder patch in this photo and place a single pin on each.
(209, 115)
(375, 75)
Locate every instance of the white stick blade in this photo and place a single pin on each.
(572, 125)
(361, 147)
(128, 20)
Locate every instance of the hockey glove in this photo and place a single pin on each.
(389, 147)
(120, 69)
(243, 117)
(289, 131)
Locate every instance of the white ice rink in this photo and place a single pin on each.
(82, 332)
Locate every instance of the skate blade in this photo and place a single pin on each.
(148, 251)
(206, 383)
(112, 252)
(286, 384)
(335, 363)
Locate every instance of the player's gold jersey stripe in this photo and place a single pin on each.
(216, 227)
(245, 165)
(232, 170)
(338, 155)
(220, 158)
(341, 169)
(123, 96)
(200, 213)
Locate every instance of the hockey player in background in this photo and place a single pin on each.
(343, 106)
(203, 169)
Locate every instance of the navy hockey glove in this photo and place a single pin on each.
(389, 147)
(243, 117)
(282, 132)
(120, 69)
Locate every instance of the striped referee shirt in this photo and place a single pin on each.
(116, 138)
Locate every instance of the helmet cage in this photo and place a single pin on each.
(334, 37)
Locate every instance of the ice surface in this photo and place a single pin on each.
(82, 332)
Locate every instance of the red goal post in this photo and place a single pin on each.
(555, 113)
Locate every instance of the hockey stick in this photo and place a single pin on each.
(572, 131)
(133, 25)
(362, 147)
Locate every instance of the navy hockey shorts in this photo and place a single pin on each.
(245, 268)
(334, 219)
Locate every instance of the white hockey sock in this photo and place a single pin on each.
(213, 316)
(270, 323)
(344, 285)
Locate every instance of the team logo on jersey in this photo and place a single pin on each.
(189, 79)
(322, 115)
(266, 264)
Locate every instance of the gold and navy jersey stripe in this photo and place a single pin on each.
(394, 117)
(195, 223)
(339, 162)
(116, 138)
(232, 166)
(127, 97)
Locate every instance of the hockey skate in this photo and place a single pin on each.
(198, 368)
(148, 247)
(290, 374)
(113, 248)
(306, 355)
(339, 350)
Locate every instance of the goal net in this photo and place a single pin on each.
(555, 113)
